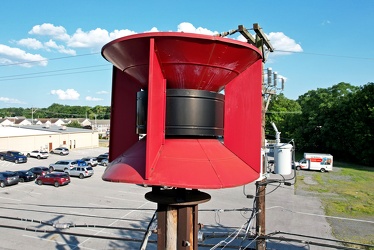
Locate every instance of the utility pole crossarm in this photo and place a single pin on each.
(261, 34)
(246, 34)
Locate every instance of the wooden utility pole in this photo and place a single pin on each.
(177, 217)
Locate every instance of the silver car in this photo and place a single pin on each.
(62, 165)
(81, 172)
(60, 151)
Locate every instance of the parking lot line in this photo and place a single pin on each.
(4, 198)
(111, 224)
(116, 198)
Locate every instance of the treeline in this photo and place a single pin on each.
(59, 111)
(337, 120)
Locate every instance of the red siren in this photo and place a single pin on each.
(169, 86)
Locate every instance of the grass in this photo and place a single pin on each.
(346, 192)
(353, 188)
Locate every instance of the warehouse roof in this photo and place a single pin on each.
(38, 130)
(19, 131)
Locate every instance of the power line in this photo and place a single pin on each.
(50, 59)
(41, 74)
(72, 73)
(321, 54)
(52, 71)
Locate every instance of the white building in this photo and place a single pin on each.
(28, 138)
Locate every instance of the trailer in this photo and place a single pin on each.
(316, 161)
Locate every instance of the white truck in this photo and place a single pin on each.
(315, 161)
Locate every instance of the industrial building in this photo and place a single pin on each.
(32, 137)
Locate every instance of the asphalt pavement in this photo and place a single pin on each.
(93, 214)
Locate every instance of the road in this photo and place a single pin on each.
(105, 212)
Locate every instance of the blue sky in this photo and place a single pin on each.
(329, 41)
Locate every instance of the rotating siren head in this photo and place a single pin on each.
(166, 85)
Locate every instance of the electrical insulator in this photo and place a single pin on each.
(269, 76)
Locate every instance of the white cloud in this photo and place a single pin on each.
(59, 48)
(95, 38)
(103, 92)
(90, 98)
(189, 28)
(30, 43)
(48, 29)
(283, 44)
(17, 56)
(154, 29)
(69, 94)
(120, 33)
(10, 100)
(326, 22)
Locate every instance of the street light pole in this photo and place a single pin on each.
(32, 115)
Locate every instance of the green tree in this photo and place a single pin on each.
(74, 124)
(314, 126)
(355, 117)
(283, 112)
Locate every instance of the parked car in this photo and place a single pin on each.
(56, 179)
(8, 178)
(91, 161)
(37, 171)
(40, 154)
(101, 157)
(14, 156)
(105, 162)
(25, 175)
(62, 165)
(81, 172)
(60, 151)
(81, 163)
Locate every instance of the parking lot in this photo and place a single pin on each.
(104, 215)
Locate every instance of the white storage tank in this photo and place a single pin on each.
(282, 158)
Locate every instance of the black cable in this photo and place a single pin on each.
(148, 232)
(207, 236)
(120, 208)
(72, 225)
(306, 242)
(82, 207)
(74, 234)
(72, 214)
(320, 238)
(251, 217)
(53, 71)
(50, 59)
(70, 73)
(280, 239)
(318, 54)
(227, 210)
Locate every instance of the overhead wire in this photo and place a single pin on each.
(230, 237)
(13, 77)
(49, 59)
(36, 75)
(321, 54)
